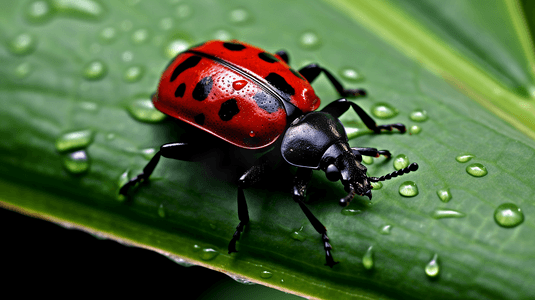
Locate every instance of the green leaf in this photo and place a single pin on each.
(76, 122)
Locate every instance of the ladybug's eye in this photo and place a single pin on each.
(332, 173)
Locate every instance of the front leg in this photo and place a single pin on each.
(300, 184)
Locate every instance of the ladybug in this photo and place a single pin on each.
(253, 100)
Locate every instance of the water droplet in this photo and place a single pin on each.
(74, 140)
(310, 40)
(95, 70)
(134, 73)
(408, 189)
(123, 179)
(419, 115)
(176, 46)
(240, 16)
(23, 44)
(367, 259)
(81, 9)
(161, 211)
(266, 274)
(377, 185)
(142, 109)
(351, 74)
(401, 161)
(183, 11)
(127, 56)
(444, 195)
(387, 229)
(415, 129)
(251, 134)
(346, 211)
(432, 268)
(476, 170)
(39, 12)
(23, 70)
(508, 215)
(447, 213)
(223, 35)
(298, 235)
(166, 23)
(384, 110)
(140, 36)
(148, 153)
(464, 158)
(367, 160)
(196, 248)
(208, 254)
(239, 84)
(108, 35)
(76, 162)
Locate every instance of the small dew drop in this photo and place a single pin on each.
(148, 153)
(143, 110)
(127, 56)
(401, 161)
(432, 268)
(80, 9)
(251, 134)
(298, 235)
(196, 248)
(447, 213)
(166, 23)
(183, 11)
(208, 253)
(23, 44)
(309, 40)
(108, 35)
(464, 158)
(39, 12)
(123, 179)
(346, 211)
(76, 162)
(351, 74)
(223, 35)
(415, 129)
(419, 115)
(476, 170)
(140, 36)
(444, 195)
(176, 46)
(95, 70)
(377, 185)
(240, 16)
(74, 140)
(408, 189)
(384, 110)
(23, 70)
(508, 215)
(387, 229)
(367, 160)
(367, 259)
(161, 211)
(266, 274)
(133, 74)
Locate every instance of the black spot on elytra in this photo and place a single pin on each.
(228, 110)
(179, 92)
(267, 57)
(267, 102)
(190, 62)
(278, 81)
(202, 88)
(233, 46)
(199, 119)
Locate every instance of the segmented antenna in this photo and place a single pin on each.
(411, 168)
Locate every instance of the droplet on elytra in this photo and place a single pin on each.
(79, 9)
(408, 189)
(309, 40)
(76, 162)
(298, 235)
(447, 213)
(108, 35)
(508, 215)
(415, 129)
(266, 274)
(208, 253)
(95, 70)
(418, 115)
(346, 211)
(351, 74)
(401, 161)
(432, 268)
(476, 170)
(23, 44)
(133, 73)
(377, 185)
(140, 36)
(240, 16)
(387, 229)
(444, 195)
(39, 12)
(384, 110)
(143, 110)
(161, 211)
(367, 259)
(464, 157)
(74, 140)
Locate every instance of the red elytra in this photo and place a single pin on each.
(220, 87)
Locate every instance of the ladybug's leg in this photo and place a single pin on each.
(372, 152)
(312, 71)
(249, 178)
(340, 106)
(301, 180)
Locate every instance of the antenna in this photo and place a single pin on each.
(411, 168)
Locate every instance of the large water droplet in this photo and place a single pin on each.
(408, 189)
(95, 70)
(143, 110)
(476, 170)
(80, 9)
(387, 229)
(74, 140)
(444, 195)
(346, 211)
(175, 47)
(351, 74)
(23, 44)
(310, 40)
(76, 162)
(266, 274)
(367, 259)
(39, 12)
(377, 185)
(140, 36)
(298, 235)
(367, 160)
(447, 213)
(384, 110)
(432, 268)
(418, 115)
(208, 254)
(464, 158)
(240, 16)
(415, 129)
(401, 161)
(508, 215)
(134, 73)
